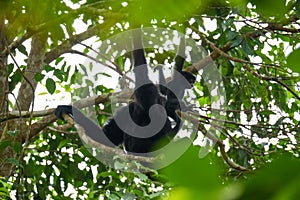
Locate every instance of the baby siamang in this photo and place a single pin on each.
(143, 125)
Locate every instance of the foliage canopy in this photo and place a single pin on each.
(255, 47)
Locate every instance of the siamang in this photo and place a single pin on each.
(142, 126)
(174, 90)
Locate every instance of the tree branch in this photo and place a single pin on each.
(214, 139)
(117, 69)
(245, 63)
(106, 150)
(217, 52)
(60, 19)
(38, 126)
(111, 150)
(65, 46)
(24, 114)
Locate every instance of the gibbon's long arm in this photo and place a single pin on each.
(92, 129)
(180, 57)
(174, 90)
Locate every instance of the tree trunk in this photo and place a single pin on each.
(5, 167)
(34, 65)
(24, 99)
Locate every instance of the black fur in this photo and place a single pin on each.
(146, 95)
(131, 133)
(92, 129)
(174, 90)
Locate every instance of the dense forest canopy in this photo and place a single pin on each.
(242, 134)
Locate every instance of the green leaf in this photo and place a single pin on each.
(17, 147)
(58, 74)
(38, 76)
(199, 174)
(63, 143)
(236, 71)
(43, 93)
(73, 78)
(141, 176)
(86, 51)
(48, 68)
(279, 121)
(13, 161)
(105, 74)
(276, 8)
(50, 85)
(203, 101)
(67, 73)
(267, 112)
(22, 49)
(232, 34)
(119, 165)
(277, 180)
(83, 68)
(58, 60)
(293, 60)
(246, 47)
(236, 41)
(5, 144)
(297, 6)
(13, 133)
(150, 10)
(10, 68)
(16, 77)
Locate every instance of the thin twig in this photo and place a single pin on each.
(215, 140)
